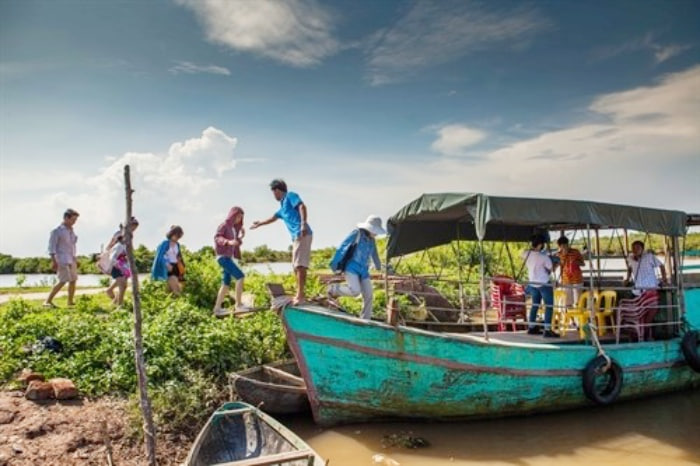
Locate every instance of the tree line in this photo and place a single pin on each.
(143, 255)
(320, 258)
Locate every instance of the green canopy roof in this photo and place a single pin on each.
(435, 219)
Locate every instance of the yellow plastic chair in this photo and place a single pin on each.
(605, 302)
(560, 318)
(581, 313)
(563, 316)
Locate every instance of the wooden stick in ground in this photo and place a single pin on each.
(148, 427)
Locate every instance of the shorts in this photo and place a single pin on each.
(301, 251)
(67, 272)
(174, 271)
(116, 273)
(230, 269)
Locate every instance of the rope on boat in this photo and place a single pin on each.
(596, 342)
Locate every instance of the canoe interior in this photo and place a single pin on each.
(275, 388)
(259, 373)
(243, 437)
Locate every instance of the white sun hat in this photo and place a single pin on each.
(373, 224)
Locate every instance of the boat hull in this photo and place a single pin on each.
(358, 370)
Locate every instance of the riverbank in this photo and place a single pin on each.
(75, 432)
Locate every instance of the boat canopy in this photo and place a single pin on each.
(439, 218)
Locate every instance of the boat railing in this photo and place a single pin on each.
(444, 302)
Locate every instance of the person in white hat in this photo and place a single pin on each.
(352, 258)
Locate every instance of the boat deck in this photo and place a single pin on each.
(522, 337)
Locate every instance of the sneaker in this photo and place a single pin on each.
(243, 308)
(49, 305)
(550, 334)
(220, 312)
(534, 331)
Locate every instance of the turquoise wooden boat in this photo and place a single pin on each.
(357, 370)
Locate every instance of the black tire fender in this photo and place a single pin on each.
(602, 386)
(689, 345)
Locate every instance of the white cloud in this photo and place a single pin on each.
(170, 187)
(638, 147)
(644, 153)
(660, 52)
(454, 140)
(432, 33)
(294, 32)
(191, 68)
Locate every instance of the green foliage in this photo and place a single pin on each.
(321, 258)
(7, 263)
(265, 254)
(189, 353)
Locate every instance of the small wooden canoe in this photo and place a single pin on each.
(276, 388)
(238, 434)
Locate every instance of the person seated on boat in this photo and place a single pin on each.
(570, 261)
(539, 266)
(352, 257)
(641, 269)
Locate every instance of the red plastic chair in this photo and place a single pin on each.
(637, 313)
(508, 298)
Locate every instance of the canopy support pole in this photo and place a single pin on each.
(459, 277)
(482, 284)
(597, 259)
(591, 311)
(677, 274)
(386, 281)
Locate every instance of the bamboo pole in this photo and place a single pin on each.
(148, 426)
(482, 289)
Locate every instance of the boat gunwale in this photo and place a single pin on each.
(474, 337)
(245, 408)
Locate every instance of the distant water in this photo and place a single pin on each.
(614, 267)
(43, 279)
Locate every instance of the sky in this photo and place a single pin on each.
(360, 106)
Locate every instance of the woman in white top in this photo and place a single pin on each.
(539, 267)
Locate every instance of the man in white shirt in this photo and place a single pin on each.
(62, 249)
(539, 268)
(642, 269)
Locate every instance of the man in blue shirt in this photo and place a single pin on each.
(293, 212)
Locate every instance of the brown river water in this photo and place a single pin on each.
(663, 430)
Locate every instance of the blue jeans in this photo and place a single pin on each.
(230, 269)
(538, 294)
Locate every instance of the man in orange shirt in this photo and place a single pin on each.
(570, 261)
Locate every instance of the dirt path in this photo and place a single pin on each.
(74, 432)
(36, 296)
